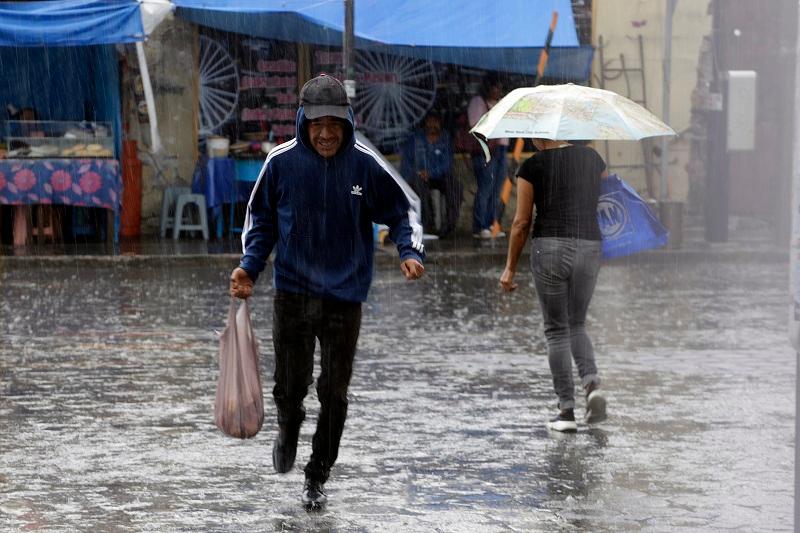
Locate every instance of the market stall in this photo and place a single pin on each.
(254, 56)
(61, 142)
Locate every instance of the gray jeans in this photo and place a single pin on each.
(565, 272)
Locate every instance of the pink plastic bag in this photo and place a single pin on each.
(239, 406)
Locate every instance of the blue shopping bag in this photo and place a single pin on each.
(626, 222)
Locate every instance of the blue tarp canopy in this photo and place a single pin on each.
(70, 22)
(503, 36)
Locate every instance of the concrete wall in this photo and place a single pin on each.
(620, 22)
(172, 61)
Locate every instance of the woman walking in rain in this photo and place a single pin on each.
(562, 181)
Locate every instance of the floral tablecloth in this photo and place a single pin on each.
(83, 182)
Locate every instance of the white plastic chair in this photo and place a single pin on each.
(174, 202)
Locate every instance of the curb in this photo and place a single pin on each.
(388, 256)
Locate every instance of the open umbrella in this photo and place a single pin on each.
(568, 112)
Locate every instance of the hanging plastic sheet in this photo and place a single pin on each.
(626, 222)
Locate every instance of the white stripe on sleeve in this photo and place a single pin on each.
(413, 200)
(248, 222)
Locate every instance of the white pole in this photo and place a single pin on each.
(155, 139)
(665, 94)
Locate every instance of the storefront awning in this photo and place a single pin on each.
(79, 22)
(504, 36)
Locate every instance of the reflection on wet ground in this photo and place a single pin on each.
(108, 376)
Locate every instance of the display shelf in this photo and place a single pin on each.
(38, 139)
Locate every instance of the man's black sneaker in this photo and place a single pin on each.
(285, 448)
(564, 421)
(313, 495)
(595, 405)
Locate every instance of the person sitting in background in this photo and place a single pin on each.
(427, 164)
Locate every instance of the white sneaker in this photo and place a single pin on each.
(595, 407)
(486, 234)
(564, 421)
(500, 235)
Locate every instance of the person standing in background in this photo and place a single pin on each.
(490, 177)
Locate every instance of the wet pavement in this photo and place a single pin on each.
(107, 380)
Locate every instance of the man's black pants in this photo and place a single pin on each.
(298, 321)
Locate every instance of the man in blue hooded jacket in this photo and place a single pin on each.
(315, 202)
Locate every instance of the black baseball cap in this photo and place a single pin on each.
(324, 96)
